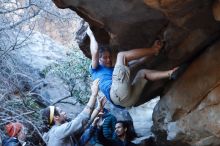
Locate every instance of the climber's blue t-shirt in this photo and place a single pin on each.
(105, 76)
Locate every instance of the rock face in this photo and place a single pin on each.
(142, 117)
(188, 112)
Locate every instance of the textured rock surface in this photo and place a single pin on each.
(142, 117)
(188, 110)
(216, 10)
(41, 51)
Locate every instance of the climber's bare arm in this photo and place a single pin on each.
(93, 48)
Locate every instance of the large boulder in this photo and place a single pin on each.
(187, 113)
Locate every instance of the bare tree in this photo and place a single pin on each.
(19, 101)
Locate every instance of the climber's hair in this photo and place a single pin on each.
(104, 48)
(45, 115)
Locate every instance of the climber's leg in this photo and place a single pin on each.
(140, 81)
(124, 57)
(120, 88)
(153, 75)
(121, 85)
